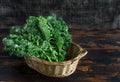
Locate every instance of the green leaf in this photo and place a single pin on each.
(42, 37)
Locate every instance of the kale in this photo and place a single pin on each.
(42, 37)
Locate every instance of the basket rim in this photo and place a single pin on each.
(82, 53)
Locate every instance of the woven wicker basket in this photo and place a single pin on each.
(58, 69)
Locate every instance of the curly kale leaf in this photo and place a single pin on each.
(42, 37)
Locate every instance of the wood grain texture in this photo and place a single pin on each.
(101, 64)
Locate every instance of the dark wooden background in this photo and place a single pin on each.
(85, 13)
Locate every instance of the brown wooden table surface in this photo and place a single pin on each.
(101, 64)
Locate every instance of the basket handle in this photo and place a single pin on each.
(82, 53)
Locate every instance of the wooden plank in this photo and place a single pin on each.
(101, 64)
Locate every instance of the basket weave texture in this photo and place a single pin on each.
(58, 69)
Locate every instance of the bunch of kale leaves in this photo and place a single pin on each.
(42, 37)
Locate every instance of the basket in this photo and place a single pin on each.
(58, 69)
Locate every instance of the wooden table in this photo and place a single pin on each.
(101, 64)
